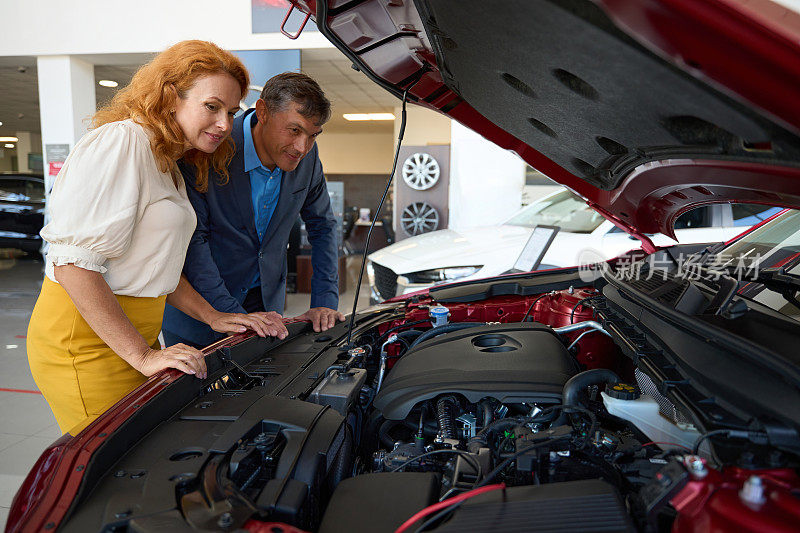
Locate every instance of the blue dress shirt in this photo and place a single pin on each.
(265, 185)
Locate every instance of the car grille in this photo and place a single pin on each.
(385, 281)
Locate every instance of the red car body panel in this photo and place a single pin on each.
(713, 503)
(52, 484)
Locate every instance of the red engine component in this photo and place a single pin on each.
(256, 526)
(715, 503)
(556, 309)
(595, 350)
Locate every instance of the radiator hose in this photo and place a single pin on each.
(383, 433)
(579, 382)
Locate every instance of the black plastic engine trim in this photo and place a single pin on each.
(513, 363)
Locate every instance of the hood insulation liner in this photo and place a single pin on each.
(562, 78)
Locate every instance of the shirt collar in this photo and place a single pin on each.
(251, 160)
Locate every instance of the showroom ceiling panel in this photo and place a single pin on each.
(350, 91)
(19, 106)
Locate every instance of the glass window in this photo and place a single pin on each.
(563, 209)
(768, 244)
(34, 190)
(696, 218)
(9, 186)
(21, 189)
(775, 244)
(750, 214)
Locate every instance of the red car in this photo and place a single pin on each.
(657, 392)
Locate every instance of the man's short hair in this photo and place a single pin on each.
(297, 87)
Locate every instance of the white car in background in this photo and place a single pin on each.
(585, 236)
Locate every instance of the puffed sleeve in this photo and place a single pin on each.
(95, 198)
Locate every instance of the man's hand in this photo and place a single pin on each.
(263, 323)
(322, 318)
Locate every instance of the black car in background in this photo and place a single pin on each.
(21, 211)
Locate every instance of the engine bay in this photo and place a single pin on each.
(507, 412)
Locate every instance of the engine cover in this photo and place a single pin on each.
(512, 363)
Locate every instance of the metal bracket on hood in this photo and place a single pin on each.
(302, 26)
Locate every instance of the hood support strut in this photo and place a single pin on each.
(647, 244)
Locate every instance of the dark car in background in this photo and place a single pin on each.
(657, 391)
(21, 211)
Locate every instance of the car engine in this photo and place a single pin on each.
(508, 413)
(461, 401)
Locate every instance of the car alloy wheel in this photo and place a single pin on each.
(421, 171)
(419, 217)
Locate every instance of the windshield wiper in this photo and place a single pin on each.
(709, 252)
(774, 278)
(780, 281)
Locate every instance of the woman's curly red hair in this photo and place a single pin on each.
(149, 100)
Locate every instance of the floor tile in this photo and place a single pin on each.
(9, 485)
(17, 459)
(8, 439)
(15, 373)
(37, 414)
(51, 432)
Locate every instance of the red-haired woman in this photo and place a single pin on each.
(120, 226)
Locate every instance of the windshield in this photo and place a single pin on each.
(563, 209)
(775, 244)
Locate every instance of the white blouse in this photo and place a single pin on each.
(113, 211)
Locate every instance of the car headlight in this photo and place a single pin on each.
(442, 275)
(370, 273)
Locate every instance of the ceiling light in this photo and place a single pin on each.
(9, 146)
(368, 116)
(1, 123)
(8, 139)
(108, 83)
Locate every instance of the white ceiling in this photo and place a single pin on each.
(349, 90)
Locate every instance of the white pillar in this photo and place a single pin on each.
(24, 147)
(423, 126)
(66, 104)
(486, 181)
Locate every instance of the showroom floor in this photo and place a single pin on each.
(27, 426)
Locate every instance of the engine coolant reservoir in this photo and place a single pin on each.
(643, 412)
(439, 314)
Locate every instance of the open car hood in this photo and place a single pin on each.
(646, 108)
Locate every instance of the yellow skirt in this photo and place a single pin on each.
(78, 374)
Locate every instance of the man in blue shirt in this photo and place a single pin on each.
(237, 255)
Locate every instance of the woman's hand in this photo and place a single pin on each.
(263, 323)
(179, 356)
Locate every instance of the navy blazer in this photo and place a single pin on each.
(225, 254)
